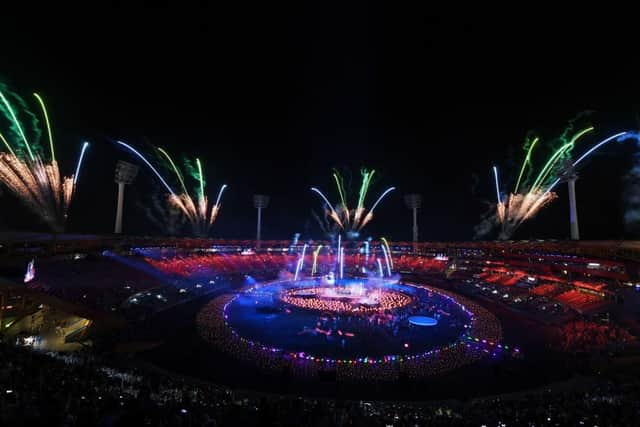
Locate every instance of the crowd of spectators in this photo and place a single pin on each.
(546, 289)
(421, 264)
(588, 336)
(579, 301)
(544, 297)
(53, 390)
(96, 282)
(502, 276)
(204, 266)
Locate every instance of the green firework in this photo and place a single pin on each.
(175, 169)
(46, 119)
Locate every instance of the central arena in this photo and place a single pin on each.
(348, 319)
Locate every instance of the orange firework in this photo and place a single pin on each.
(517, 208)
(36, 182)
(39, 186)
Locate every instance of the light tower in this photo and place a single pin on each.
(570, 176)
(413, 202)
(260, 201)
(125, 174)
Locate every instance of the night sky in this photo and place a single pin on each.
(271, 100)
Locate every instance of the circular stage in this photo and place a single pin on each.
(353, 327)
(349, 296)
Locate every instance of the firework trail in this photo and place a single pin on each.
(622, 136)
(300, 263)
(495, 174)
(141, 157)
(34, 180)
(15, 125)
(525, 163)
(79, 164)
(315, 260)
(384, 241)
(173, 166)
(386, 258)
(352, 219)
(46, 119)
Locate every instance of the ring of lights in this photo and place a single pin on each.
(320, 299)
(481, 339)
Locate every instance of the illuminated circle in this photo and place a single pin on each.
(339, 300)
(279, 324)
(423, 321)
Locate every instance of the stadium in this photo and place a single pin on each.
(449, 320)
(318, 216)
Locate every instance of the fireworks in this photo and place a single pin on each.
(517, 208)
(197, 212)
(36, 182)
(198, 215)
(520, 206)
(352, 219)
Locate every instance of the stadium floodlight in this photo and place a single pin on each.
(260, 201)
(413, 202)
(570, 176)
(125, 174)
